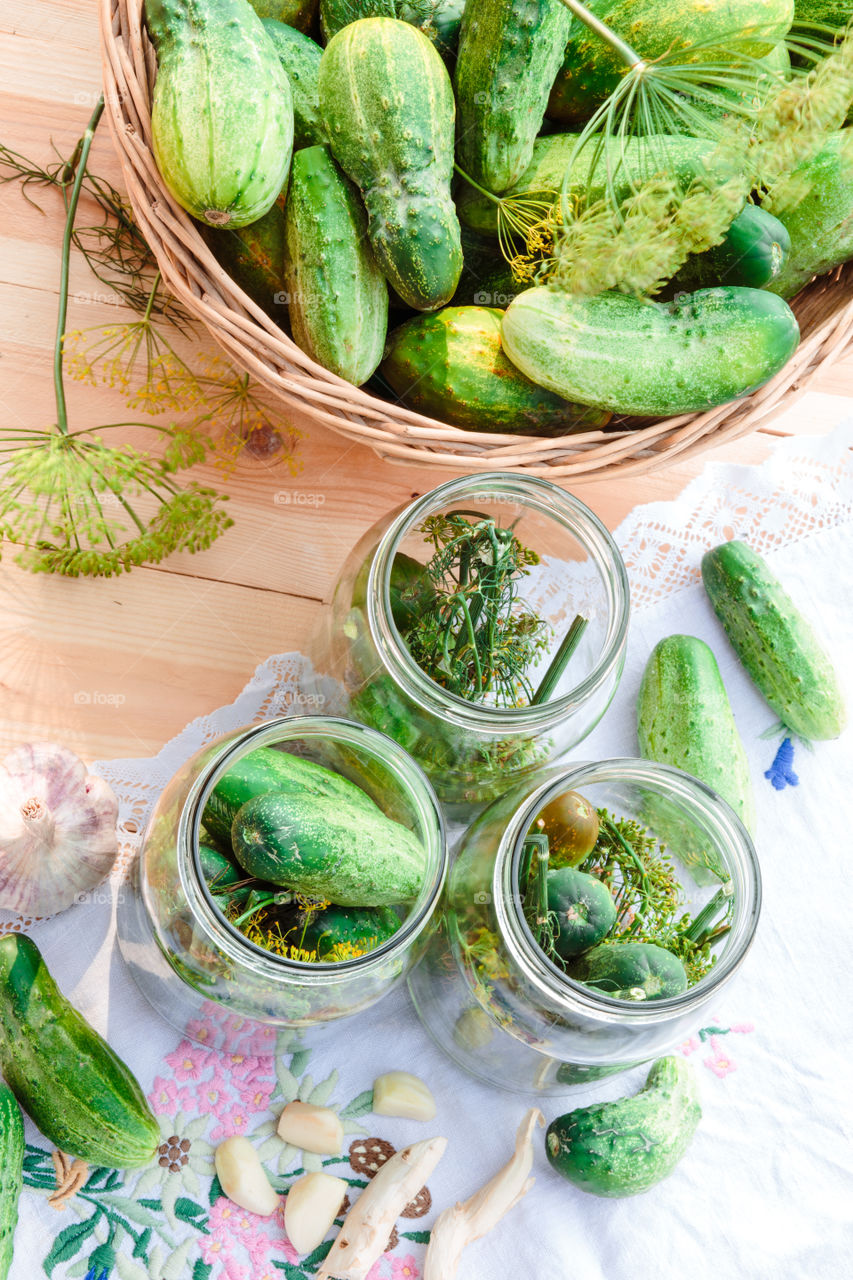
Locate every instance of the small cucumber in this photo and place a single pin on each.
(300, 56)
(267, 769)
(584, 908)
(65, 1076)
(339, 933)
(11, 1174)
(644, 358)
(752, 254)
(684, 719)
(336, 293)
(328, 848)
(773, 640)
(631, 971)
(219, 871)
(624, 1147)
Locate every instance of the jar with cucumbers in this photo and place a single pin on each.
(483, 628)
(290, 873)
(588, 920)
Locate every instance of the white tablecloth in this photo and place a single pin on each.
(766, 1189)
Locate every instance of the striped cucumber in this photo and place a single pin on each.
(65, 1076)
(336, 293)
(388, 105)
(633, 356)
(774, 641)
(508, 56)
(438, 19)
(684, 719)
(11, 1174)
(222, 111)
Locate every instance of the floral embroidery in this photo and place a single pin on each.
(718, 1061)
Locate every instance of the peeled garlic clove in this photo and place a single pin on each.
(398, 1093)
(57, 829)
(312, 1204)
(311, 1128)
(242, 1176)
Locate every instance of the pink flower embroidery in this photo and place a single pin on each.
(404, 1268)
(743, 1027)
(257, 1096)
(233, 1269)
(188, 1061)
(717, 1061)
(200, 1030)
(164, 1096)
(233, 1121)
(689, 1046)
(213, 1250)
(239, 1066)
(260, 1041)
(212, 1098)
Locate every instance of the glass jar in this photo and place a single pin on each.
(472, 751)
(494, 1001)
(182, 950)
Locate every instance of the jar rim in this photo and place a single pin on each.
(549, 500)
(392, 756)
(733, 840)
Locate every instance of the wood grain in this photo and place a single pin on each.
(116, 667)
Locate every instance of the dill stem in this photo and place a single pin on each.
(709, 913)
(560, 661)
(490, 195)
(153, 294)
(71, 211)
(628, 55)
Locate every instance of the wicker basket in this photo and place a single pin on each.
(824, 309)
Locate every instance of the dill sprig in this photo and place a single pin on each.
(475, 636)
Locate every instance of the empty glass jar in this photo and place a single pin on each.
(180, 947)
(491, 997)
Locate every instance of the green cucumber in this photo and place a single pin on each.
(584, 909)
(508, 56)
(774, 641)
(267, 769)
(300, 56)
(11, 1174)
(450, 366)
(637, 159)
(327, 847)
(253, 256)
(630, 971)
(820, 223)
(66, 1077)
(336, 293)
(645, 358)
(690, 31)
(388, 106)
(626, 1146)
(294, 13)
(829, 13)
(218, 870)
(222, 109)
(487, 279)
(438, 19)
(339, 933)
(752, 254)
(684, 719)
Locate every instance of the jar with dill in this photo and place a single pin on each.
(482, 627)
(290, 873)
(588, 921)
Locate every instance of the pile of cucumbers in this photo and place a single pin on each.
(324, 179)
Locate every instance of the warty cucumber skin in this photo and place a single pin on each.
(591, 69)
(820, 224)
(641, 158)
(12, 1146)
(294, 13)
(386, 99)
(684, 719)
(75, 1088)
(450, 365)
(300, 56)
(624, 1147)
(508, 56)
(646, 358)
(337, 295)
(328, 849)
(774, 641)
(222, 111)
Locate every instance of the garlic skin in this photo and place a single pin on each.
(57, 829)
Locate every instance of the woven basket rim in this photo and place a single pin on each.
(824, 309)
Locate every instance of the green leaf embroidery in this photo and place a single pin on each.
(360, 1106)
(68, 1242)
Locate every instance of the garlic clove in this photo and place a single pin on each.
(57, 829)
(398, 1093)
(311, 1128)
(243, 1178)
(312, 1204)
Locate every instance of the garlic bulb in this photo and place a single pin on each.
(57, 829)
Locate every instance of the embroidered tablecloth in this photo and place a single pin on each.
(766, 1189)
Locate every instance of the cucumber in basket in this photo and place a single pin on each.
(11, 1174)
(773, 640)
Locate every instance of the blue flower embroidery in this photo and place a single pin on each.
(781, 772)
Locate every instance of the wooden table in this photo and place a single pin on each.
(115, 667)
